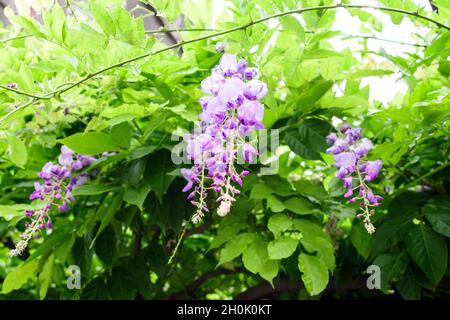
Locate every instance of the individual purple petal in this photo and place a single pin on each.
(363, 148)
(251, 113)
(331, 138)
(188, 186)
(341, 173)
(232, 92)
(255, 90)
(220, 47)
(345, 126)
(242, 66)
(248, 152)
(63, 207)
(348, 182)
(346, 160)
(228, 64)
(371, 169)
(340, 145)
(66, 156)
(349, 193)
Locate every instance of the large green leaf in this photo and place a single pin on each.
(438, 214)
(45, 276)
(19, 276)
(282, 247)
(429, 250)
(361, 240)
(314, 273)
(392, 266)
(279, 223)
(17, 151)
(90, 143)
(235, 247)
(156, 174)
(315, 240)
(309, 139)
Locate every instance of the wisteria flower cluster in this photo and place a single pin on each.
(60, 180)
(349, 148)
(231, 112)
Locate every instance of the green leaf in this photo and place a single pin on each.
(106, 246)
(314, 239)
(311, 188)
(45, 276)
(429, 250)
(275, 204)
(57, 238)
(156, 173)
(361, 240)
(260, 191)
(311, 93)
(269, 270)
(92, 189)
(10, 212)
(90, 143)
(29, 25)
(103, 19)
(437, 213)
(17, 151)
(282, 247)
(121, 134)
(235, 247)
(367, 73)
(121, 284)
(408, 287)
(398, 222)
(320, 54)
(19, 276)
(108, 215)
(291, 25)
(279, 223)
(315, 273)
(136, 196)
(309, 139)
(255, 255)
(299, 205)
(392, 266)
(95, 290)
(228, 228)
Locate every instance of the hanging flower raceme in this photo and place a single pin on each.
(231, 112)
(349, 148)
(55, 191)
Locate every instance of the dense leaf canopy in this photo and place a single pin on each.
(91, 76)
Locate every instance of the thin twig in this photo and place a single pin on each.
(415, 181)
(16, 38)
(163, 30)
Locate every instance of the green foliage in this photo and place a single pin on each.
(98, 83)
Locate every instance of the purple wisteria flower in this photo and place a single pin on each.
(348, 148)
(231, 112)
(60, 179)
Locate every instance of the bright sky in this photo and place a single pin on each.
(381, 88)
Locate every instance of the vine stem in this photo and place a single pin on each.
(164, 30)
(220, 33)
(180, 239)
(23, 106)
(415, 181)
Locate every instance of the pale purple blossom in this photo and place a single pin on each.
(348, 148)
(230, 112)
(59, 180)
